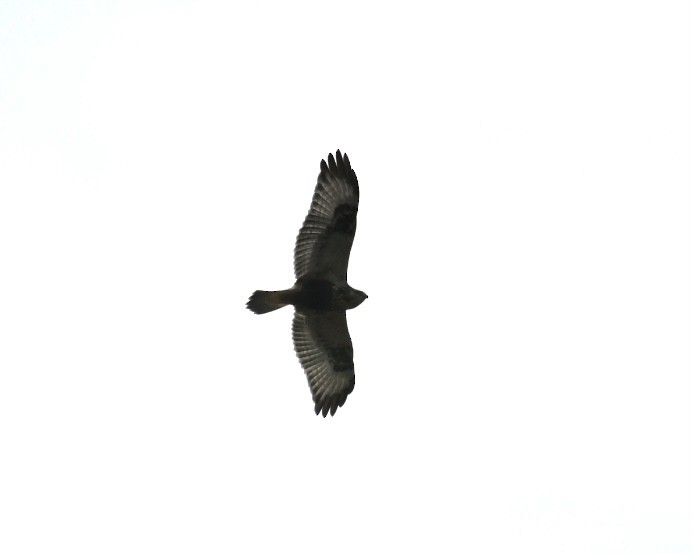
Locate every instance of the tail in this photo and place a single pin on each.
(263, 301)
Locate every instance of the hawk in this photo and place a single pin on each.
(321, 294)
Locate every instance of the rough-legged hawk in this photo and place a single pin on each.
(321, 294)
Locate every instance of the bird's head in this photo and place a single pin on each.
(354, 297)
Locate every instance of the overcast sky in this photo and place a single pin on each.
(523, 360)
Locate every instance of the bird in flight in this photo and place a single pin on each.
(321, 294)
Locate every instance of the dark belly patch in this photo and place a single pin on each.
(314, 294)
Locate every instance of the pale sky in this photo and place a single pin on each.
(523, 361)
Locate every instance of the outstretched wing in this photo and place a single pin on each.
(324, 242)
(323, 346)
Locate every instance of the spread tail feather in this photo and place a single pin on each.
(263, 301)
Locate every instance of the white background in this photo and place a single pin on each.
(523, 361)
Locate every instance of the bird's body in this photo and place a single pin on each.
(308, 294)
(321, 294)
